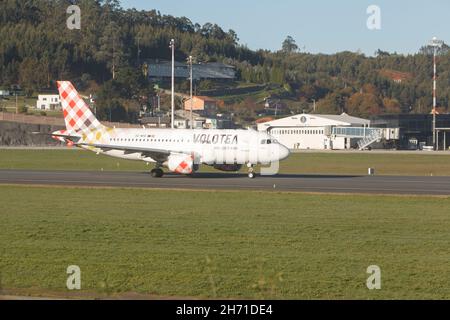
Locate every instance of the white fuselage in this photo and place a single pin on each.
(208, 146)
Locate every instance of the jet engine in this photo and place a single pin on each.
(181, 163)
(228, 167)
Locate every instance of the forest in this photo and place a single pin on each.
(108, 51)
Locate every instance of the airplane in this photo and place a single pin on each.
(181, 151)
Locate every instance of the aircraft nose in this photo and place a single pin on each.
(284, 152)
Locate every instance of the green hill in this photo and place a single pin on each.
(37, 48)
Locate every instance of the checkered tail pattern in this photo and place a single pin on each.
(77, 115)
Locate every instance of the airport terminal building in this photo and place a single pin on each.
(416, 130)
(326, 132)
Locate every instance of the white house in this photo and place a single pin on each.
(48, 102)
(4, 93)
(317, 131)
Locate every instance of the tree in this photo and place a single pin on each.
(364, 104)
(392, 106)
(332, 104)
(32, 75)
(232, 35)
(130, 81)
(109, 106)
(429, 50)
(381, 53)
(289, 45)
(111, 49)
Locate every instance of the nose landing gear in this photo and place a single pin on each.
(251, 171)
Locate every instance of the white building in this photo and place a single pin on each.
(319, 132)
(4, 93)
(48, 102)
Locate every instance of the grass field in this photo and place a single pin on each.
(223, 244)
(304, 163)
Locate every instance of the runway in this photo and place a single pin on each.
(223, 181)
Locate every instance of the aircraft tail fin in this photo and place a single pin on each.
(77, 114)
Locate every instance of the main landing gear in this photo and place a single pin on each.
(157, 173)
(251, 171)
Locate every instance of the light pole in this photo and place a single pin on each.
(436, 44)
(191, 74)
(159, 102)
(17, 104)
(172, 46)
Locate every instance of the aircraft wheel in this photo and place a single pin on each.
(157, 173)
(251, 175)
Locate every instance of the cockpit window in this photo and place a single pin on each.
(269, 141)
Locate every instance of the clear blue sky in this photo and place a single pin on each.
(325, 26)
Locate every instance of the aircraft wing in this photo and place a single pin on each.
(159, 155)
